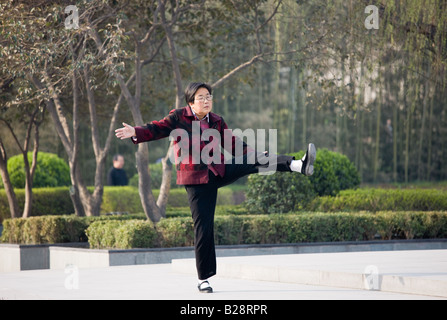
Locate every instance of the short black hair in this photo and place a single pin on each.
(193, 87)
(116, 156)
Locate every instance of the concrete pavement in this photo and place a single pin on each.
(271, 277)
(158, 282)
(414, 272)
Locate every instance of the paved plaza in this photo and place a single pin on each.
(268, 277)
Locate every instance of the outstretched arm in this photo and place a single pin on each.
(152, 131)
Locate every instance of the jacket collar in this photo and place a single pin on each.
(187, 112)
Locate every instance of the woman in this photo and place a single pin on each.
(202, 180)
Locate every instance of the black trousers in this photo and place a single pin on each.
(202, 201)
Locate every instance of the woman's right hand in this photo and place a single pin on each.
(126, 132)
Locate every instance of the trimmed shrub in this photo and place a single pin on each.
(127, 199)
(54, 229)
(125, 232)
(136, 234)
(278, 193)
(230, 230)
(46, 201)
(44, 230)
(12, 231)
(221, 210)
(176, 232)
(51, 171)
(285, 192)
(412, 225)
(101, 234)
(276, 229)
(121, 199)
(333, 172)
(122, 234)
(383, 199)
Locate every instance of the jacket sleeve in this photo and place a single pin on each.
(156, 130)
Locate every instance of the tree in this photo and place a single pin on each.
(32, 117)
(52, 60)
(185, 15)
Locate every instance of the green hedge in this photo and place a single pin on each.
(127, 199)
(69, 228)
(122, 234)
(46, 201)
(273, 229)
(156, 171)
(42, 230)
(133, 231)
(57, 201)
(52, 229)
(382, 200)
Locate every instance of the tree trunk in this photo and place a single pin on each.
(292, 116)
(378, 129)
(148, 203)
(410, 109)
(422, 133)
(60, 122)
(167, 169)
(74, 191)
(165, 187)
(430, 137)
(9, 189)
(28, 188)
(396, 129)
(144, 186)
(29, 170)
(95, 199)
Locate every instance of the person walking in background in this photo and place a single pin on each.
(117, 176)
(201, 177)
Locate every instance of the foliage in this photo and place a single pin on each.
(176, 232)
(337, 85)
(383, 199)
(46, 201)
(156, 171)
(134, 231)
(126, 199)
(285, 192)
(56, 201)
(51, 171)
(333, 172)
(276, 229)
(277, 193)
(121, 199)
(43, 230)
(36, 42)
(122, 234)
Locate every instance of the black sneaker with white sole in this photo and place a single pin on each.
(308, 160)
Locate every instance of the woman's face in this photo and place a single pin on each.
(203, 103)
